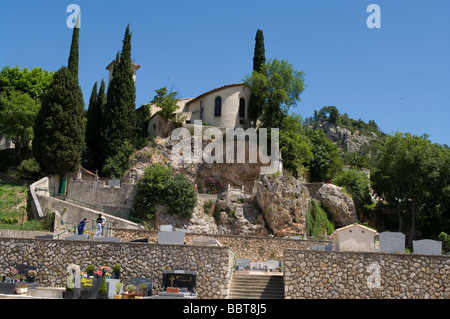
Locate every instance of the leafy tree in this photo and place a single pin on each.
(295, 146)
(119, 117)
(358, 185)
(59, 126)
(259, 59)
(117, 165)
(326, 161)
(34, 82)
(408, 176)
(181, 196)
(151, 189)
(167, 102)
(280, 86)
(17, 118)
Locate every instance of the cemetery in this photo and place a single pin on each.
(174, 263)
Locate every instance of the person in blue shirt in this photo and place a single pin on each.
(81, 226)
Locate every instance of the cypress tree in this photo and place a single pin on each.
(91, 126)
(73, 56)
(259, 59)
(59, 126)
(119, 118)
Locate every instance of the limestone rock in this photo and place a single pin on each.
(285, 202)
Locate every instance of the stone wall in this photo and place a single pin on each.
(333, 274)
(52, 257)
(253, 248)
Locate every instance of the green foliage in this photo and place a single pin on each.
(92, 157)
(317, 222)
(117, 165)
(167, 102)
(259, 59)
(103, 287)
(72, 64)
(295, 146)
(326, 161)
(59, 126)
(151, 189)
(34, 82)
(119, 116)
(30, 169)
(357, 184)
(17, 117)
(181, 196)
(279, 87)
(445, 241)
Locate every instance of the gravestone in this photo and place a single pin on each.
(171, 237)
(427, 247)
(242, 263)
(183, 279)
(165, 228)
(141, 280)
(392, 242)
(205, 242)
(114, 182)
(77, 237)
(111, 284)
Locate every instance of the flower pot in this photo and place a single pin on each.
(21, 291)
(138, 297)
(68, 294)
(84, 294)
(117, 275)
(117, 296)
(31, 278)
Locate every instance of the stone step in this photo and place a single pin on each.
(255, 286)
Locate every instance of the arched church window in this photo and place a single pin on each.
(218, 106)
(242, 108)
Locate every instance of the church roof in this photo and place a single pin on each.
(214, 90)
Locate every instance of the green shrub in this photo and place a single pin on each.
(317, 222)
(30, 169)
(181, 196)
(357, 184)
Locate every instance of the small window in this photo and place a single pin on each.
(218, 106)
(242, 108)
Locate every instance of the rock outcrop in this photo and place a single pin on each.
(336, 201)
(285, 202)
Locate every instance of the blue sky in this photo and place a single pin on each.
(397, 75)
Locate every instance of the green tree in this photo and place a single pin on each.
(259, 60)
(17, 118)
(326, 160)
(151, 189)
(181, 196)
(295, 146)
(119, 117)
(407, 175)
(72, 64)
(167, 102)
(317, 223)
(358, 185)
(59, 125)
(279, 86)
(34, 82)
(94, 127)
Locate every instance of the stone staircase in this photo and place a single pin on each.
(256, 285)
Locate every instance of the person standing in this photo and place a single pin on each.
(100, 225)
(81, 226)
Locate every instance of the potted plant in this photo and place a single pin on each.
(21, 288)
(141, 291)
(90, 269)
(31, 275)
(116, 271)
(86, 285)
(14, 274)
(119, 286)
(103, 289)
(130, 292)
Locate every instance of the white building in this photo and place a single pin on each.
(354, 237)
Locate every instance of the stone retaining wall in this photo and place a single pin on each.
(253, 248)
(52, 257)
(333, 274)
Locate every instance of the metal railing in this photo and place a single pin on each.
(91, 230)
